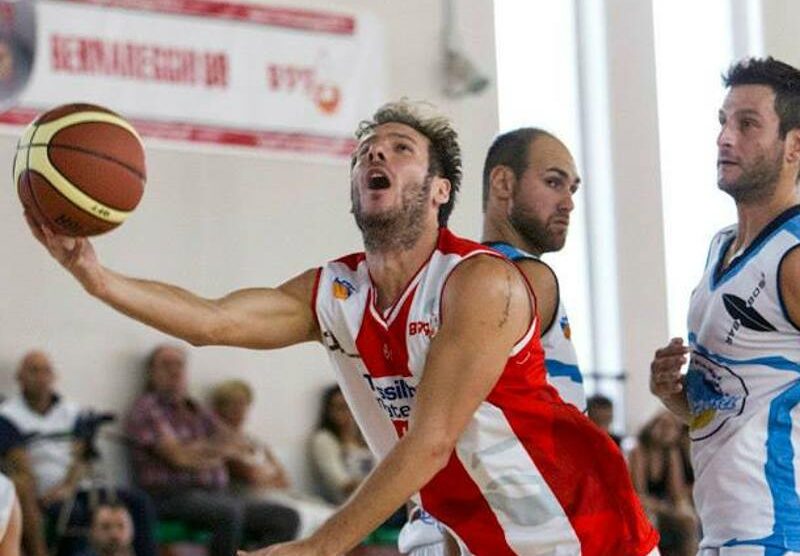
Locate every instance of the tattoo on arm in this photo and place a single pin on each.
(507, 308)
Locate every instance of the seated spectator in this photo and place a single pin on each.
(260, 474)
(111, 532)
(339, 456)
(600, 410)
(658, 476)
(15, 462)
(10, 519)
(180, 458)
(58, 458)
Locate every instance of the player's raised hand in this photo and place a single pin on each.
(665, 370)
(76, 254)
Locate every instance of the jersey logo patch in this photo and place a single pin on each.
(342, 289)
(741, 310)
(565, 329)
(715, 394)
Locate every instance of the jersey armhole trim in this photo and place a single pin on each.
(314, 297)
(780, 291)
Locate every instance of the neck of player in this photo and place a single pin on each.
(391, 270)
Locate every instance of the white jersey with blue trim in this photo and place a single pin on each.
(561, 361)
(743, 389)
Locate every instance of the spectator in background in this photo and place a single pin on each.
(16, 464)
(111, 533)
(260, 474)
(657, 472)
(10, 519)
(600, 411)
(339, 456)
(58, 457)
(180, 458)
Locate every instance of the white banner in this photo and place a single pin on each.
(210, 71)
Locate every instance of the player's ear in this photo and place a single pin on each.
(501, 182)
(792, 146)
(441, 190)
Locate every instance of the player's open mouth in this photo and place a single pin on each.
(376, 179)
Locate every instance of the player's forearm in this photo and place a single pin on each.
(168, 308)
(405, 470)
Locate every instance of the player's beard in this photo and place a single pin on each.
(538, 238)
(394, 229)
(757, 181)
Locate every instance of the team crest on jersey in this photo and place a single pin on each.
(565, 329)
(342, 289)
(743, 312)
(715, 394)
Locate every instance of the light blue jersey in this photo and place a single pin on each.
(743, 388)
(561, 360)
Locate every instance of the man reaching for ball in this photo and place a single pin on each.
(450, 394)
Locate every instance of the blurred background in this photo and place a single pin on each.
(247, 158)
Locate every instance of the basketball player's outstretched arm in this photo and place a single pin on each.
(260, 318)
(486, 309)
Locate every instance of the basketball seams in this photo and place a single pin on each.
(75, 195)
(51, 174)
(96, 154)
(51, 128)
(40, 212)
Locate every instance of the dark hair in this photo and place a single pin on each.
(444, 153)
(510, 149)
(325, 421)
(598, 401)
(783, 79)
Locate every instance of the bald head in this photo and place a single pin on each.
(166, 369)
(529, 180)
(35, 375)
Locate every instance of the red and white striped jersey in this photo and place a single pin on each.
(530, 474)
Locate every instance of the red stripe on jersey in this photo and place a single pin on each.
(452, 244)
(314, 293)
(383, 350)
(580, 463)
(457, 501)
(352, 261)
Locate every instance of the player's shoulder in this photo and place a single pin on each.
(484, 271)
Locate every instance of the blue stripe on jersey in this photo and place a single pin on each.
(776, 361)
(557, 368)
(780, 472)
(793, 227)
(787, 221)
(513, 253)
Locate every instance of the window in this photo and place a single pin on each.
(689, 96)
(542, 91)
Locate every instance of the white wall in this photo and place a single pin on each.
(780, 19)
(216, 221)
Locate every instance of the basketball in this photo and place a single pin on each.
(80, 169)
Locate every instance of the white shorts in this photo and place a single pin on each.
(7, 498)
(423, 537)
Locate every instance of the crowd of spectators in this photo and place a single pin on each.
(192, 463)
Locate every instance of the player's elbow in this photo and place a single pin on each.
(438, 447)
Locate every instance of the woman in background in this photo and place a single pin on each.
(339, 456)
(658, 475)
(260, 474)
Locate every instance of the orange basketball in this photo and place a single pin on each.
(80, 169)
